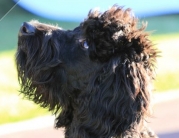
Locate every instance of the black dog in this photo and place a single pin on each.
(95, 78)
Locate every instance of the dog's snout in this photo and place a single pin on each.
(27, 29)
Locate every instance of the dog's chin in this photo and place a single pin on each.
(38, 91)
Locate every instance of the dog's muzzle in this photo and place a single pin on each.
(27, 29)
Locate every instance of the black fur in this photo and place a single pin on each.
(95, 78)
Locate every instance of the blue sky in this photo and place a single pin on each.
(77, 10)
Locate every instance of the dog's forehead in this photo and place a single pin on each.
(77, 29)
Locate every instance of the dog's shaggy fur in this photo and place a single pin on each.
(95, 78)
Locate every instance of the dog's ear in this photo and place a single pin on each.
(122, 91)
(122, 86)
(116, 33)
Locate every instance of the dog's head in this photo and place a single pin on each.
(108, 56)
(52, 63)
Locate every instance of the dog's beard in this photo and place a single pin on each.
(36, 60)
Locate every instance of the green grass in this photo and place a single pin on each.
(168, 65)
(167, 81)
(14, 108)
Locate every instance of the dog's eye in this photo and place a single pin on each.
(84, 44)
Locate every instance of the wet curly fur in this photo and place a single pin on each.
(96, 78)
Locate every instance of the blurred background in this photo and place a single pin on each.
(163, 22)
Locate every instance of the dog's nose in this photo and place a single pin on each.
(27, 29)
